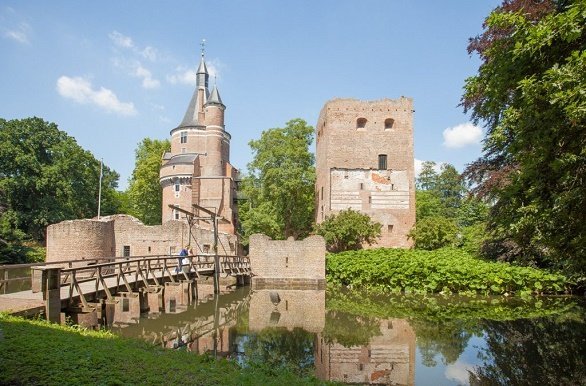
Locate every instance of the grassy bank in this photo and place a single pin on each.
(445, 270)
(38, 353)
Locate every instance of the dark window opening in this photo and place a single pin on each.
(361, 123)
(125, 305)
(389, 123)
(126, 251)
(149, 249)
(206, 248)
(382, 162)
(184, 137)
(390, 228)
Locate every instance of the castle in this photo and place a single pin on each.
(364, 162)
(197, 170)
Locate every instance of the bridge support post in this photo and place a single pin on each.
(51, 288)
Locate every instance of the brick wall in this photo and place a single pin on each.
(287, 262)
(351, 134)
(80, 239)
(91, 238)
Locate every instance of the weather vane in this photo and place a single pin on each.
(203, 47)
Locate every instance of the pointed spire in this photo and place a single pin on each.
(215, 97)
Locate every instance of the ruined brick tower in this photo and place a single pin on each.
(197, 170)
(364, 161)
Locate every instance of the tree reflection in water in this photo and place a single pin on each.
(276, 348)
(538, 352)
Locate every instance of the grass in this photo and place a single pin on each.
(35, 352)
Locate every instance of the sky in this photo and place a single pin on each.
(110, 73)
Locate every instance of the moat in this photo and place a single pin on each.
(401, 340)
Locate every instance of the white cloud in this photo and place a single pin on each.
(147, 78)
(462, 135)
(81, 91)
(20, 34)
(459, 372)
(419, 166)
(121, 40)
(149, 53)
(183, 75)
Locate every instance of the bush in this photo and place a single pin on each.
(446, 270)
(348, 230)
(434, 232)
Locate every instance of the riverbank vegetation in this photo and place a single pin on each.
(38, 353)
(447, 270)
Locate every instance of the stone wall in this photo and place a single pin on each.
(287, 263)
(114, 235)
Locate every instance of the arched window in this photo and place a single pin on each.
(389, 123)
(361, 123)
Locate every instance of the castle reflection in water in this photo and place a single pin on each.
(247, 325)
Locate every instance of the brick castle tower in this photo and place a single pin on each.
(364, 161)
(197, 170)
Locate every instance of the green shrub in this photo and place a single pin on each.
(446, 270)
(434, 232)
(348, 230)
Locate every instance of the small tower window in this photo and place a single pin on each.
(184, 137)
(361, 123)
(176, 214)
(389, 123)
(382, 162)
(177, 187)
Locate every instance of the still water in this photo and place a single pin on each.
(399, 340)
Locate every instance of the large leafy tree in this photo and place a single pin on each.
(530, 94)
(144, 191)
(46, 177)
(279, 187)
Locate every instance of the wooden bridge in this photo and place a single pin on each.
(85, 287)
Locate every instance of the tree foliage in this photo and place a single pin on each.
(529, 93)
(45, 178)
(145, 193)
(348, 230)
(279, 187)
(447, 215)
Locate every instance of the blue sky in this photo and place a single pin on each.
(111, 73)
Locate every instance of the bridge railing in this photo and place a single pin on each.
(22, 277)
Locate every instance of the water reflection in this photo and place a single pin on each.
(395, 340)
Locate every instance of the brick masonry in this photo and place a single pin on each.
(108, 237)
(283, 263)
(351, 135)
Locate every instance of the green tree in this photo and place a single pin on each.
(529, 93)
(434, 232)
(145, 193)
(279, 187)
(427, 177)
(348, 230)
(45, 178)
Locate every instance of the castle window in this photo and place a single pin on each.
(389, 123)
(184, 137)
(361, 123)
(382, 162)
(126, 251)
(177, 186)
(390, 228)
(176, 213)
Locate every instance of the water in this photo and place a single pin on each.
(401, 340)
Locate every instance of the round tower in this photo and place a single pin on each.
(214, 164)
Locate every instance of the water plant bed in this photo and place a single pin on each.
(34, 352)
(446, 270)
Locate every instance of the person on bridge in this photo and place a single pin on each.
(182, 254)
